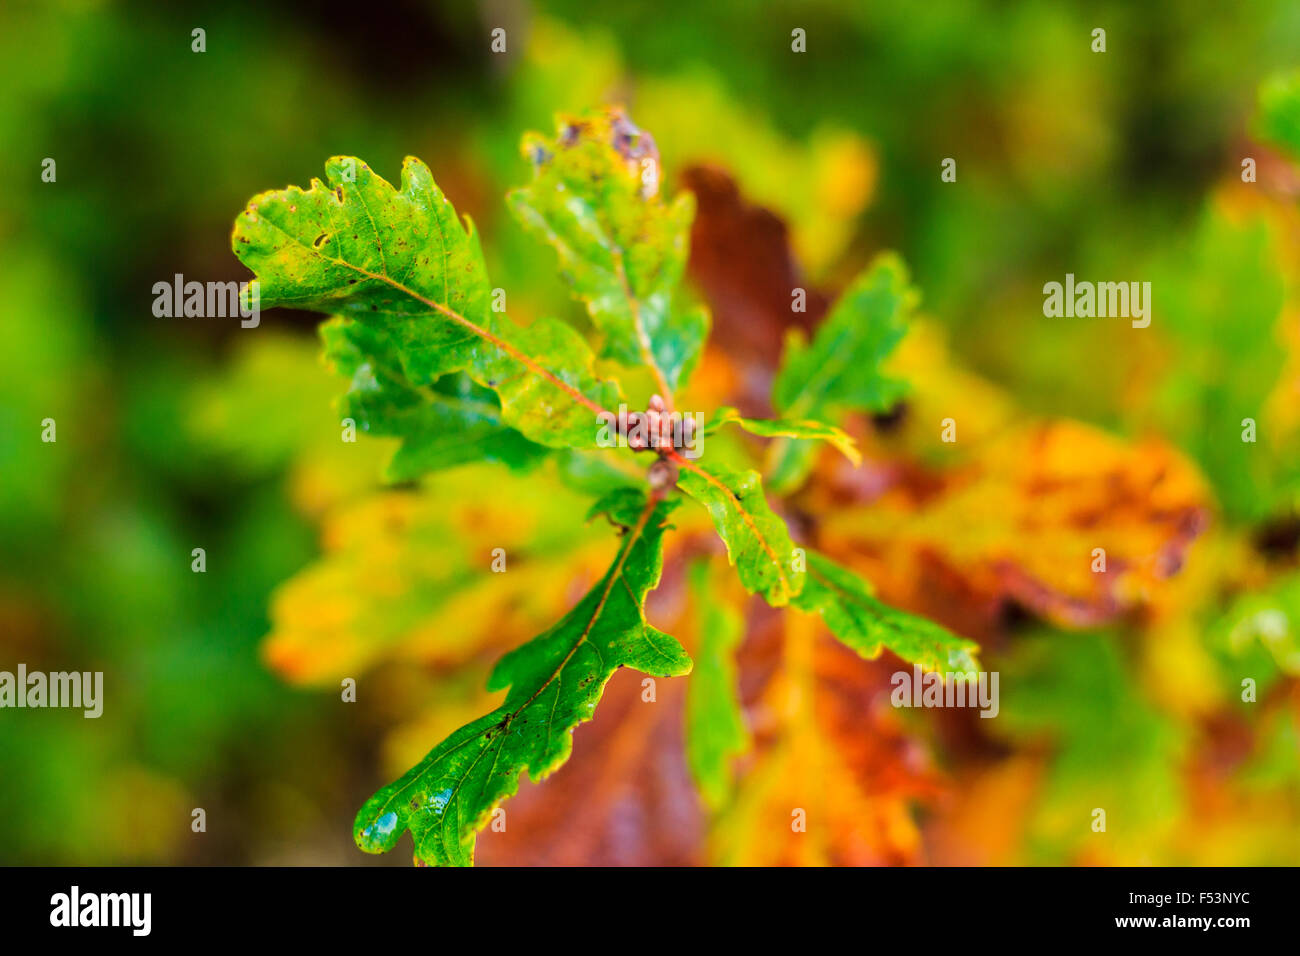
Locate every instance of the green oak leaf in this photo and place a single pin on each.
(807, 428)
(554, 683)
(758, 542)
(840, 370)
(451, 422)
(715, 725)
(403, 263)
(595, 199)
(867, 625)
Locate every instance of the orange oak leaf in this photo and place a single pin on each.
(1058, 518)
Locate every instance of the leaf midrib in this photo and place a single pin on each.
(744, 516)
(448, 313)
(615, 574)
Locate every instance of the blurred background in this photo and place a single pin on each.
(222, 688)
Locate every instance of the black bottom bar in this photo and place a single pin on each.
(526, 907)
